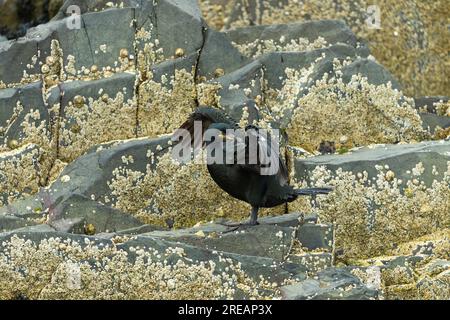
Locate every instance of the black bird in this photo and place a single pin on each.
(245, 181)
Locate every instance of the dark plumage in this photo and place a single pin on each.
(245, 181)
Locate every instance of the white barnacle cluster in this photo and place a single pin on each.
(369, 213)
(91, 270)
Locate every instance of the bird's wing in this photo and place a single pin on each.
(261, 154)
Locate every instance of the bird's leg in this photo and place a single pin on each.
(252, 222)
(254, 217)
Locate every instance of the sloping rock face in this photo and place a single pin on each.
(408, 37)
(88, 184)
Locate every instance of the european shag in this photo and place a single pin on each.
(243, 180)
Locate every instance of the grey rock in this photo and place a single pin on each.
(8, 223)
(12, 124)
(276, 63)
(218, 53)
(285, 220)
(431, 122)
(332, 31)
(331, 284)
(3, 38)
(264, 240)
(89, 176)
(168, 68)
(314, 262)
(375, 73)
(103, 218)
(428, 102)
(11, 187)
(14, 58)
(400, 158)
(162, 250)
(247, 78)
(316, 236)
(70, 225)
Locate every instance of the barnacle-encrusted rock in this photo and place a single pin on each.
(331, 284)
(20, 173)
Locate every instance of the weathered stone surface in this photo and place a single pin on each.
(239, 89)
(107, 112)
(20, 173)
(375, 73)
(8, 223)
(316, 236)
(101, 217)
(331, 284)
(400, 159)
(314, 262)
(15, 56)
(432, 121)
(264, 241)
(88, 176)
(276, 63)
(428, 103)
(332, 31)
(24, 117)
(212, 55)
(71, 225)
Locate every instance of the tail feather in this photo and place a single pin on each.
(312, 191)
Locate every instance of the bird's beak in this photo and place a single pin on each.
(225, 137)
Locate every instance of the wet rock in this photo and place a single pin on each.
(331, 284)
(70, 225)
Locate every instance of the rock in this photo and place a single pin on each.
(400, 158)
(316, 236)
(8, 223)
(286, 35)
(239, 89)
(314, 262)
(212, 55)
(96, 118)
(71, 225)
(88, 176)
(431, 122)
(20, 174)
(3, 38)
(331, 284)
(276, 63)
(24, 116)
(375, 73)
(83, 211)
(264, 240)
(168, 253)
(428, 103)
